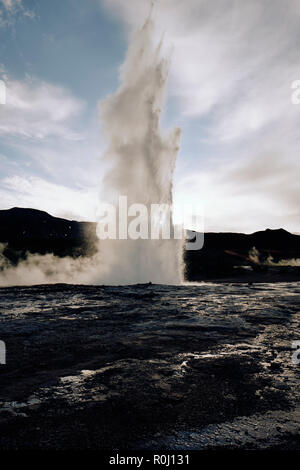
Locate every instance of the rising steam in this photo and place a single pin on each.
(46, 269)
(142, 162)
(257, 258)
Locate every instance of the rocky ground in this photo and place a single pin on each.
(150, 367)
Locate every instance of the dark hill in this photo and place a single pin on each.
(227, 254)
(223, 255)
(38, 232)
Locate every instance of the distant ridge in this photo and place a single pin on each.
(24, 230)
(224, 253)
(39, 232)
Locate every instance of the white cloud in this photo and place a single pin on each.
(11, 9)
(58, 200)
(36, 109)
(233, 63)
(11, 5)
(227, 55)
(245, 196)
(38, 130)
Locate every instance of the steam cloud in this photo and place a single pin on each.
(255, 256)
(142, 160)
(46, 269)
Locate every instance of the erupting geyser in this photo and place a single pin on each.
(142, 164)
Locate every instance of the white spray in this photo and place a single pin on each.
(142, 163)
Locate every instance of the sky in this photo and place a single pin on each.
(229, 90)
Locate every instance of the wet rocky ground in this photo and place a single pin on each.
(202, 366)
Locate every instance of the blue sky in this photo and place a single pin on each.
(229, 90)
(71, 42)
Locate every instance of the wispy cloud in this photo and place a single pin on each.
(10, 10)
(233, 59)
(36, 109)
(233, 64)
(42, 133)
(247, 195)
(58, 200)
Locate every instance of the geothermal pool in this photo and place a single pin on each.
(205, 366)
